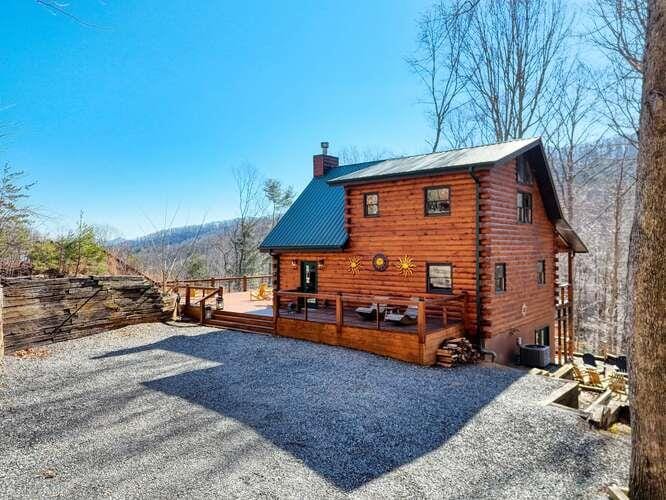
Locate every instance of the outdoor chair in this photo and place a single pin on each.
(595, 378)
(370, 313)
(621, 363)
(262, 293)
(409, 317)
(617, 383)
(577, 374)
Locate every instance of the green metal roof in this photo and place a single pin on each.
(316, 219)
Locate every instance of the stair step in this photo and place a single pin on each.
(249, 320)
(241, 315)
(230, 325)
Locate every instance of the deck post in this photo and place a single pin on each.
(570, 324)
(212, 282)
(379, 326)
(421, 328)
(202, 305)
(245, 283)
(187, 295)
(276, 311)
(464, 312)
(421, 320)
(339, 313)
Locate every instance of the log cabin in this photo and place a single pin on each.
(468, 240)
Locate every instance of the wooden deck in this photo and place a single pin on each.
(341, 327)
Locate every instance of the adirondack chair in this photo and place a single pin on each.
(262, 293)
(617, 383)
(577, 374)
(595, 378)
(621, 363)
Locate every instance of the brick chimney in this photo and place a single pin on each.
(323, 163)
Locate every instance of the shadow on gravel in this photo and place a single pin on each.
(349, 416)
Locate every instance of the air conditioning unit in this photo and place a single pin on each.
(535, 355)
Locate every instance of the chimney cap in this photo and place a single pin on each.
(324, 147)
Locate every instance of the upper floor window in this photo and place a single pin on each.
(523, 172)
(438, 200)
(440, 278)
(500, 277)
(541, 272)
(524, 205)
(371, 204)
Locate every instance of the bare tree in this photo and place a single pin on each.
(437, 64)
(647, 274)
(514, 55)
(166, 259)
(353, 154)
(572, 153)
(239, 247)
(619, 31)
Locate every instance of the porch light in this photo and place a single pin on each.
(320, 264)
(294, 263)
(219, 303)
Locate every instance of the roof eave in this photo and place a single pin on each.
(407, 175)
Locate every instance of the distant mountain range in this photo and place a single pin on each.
(173, 236)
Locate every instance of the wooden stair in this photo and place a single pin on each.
(252, 323)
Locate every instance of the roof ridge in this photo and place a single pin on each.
(444, 151)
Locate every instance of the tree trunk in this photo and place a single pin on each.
(647, 273)
(618, 211)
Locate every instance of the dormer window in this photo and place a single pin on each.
(523, 172)
(371, 204)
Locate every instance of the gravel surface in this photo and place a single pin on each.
(166, 411)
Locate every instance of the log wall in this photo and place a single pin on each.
(525, 305)
(39, 311)
(402, 228)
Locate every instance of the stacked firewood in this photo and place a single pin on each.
(457, 352)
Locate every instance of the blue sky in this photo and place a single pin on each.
(156, 108)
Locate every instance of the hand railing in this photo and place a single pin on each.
(444, 306)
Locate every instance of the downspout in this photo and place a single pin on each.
(479, 309)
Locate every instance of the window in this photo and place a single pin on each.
(440, 278)
(371, 204)
(500, 277)
(523, 172)
(524, 204)
(542, 336)
(438, 201)
(541, 272)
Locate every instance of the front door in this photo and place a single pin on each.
(309, 280)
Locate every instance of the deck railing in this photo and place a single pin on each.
(431, 313)
(228, 283)
(564, 334)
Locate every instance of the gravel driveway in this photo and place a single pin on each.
(166, 411)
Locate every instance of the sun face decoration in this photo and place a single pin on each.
(406, 266)
(354, 265)
(380, 262)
